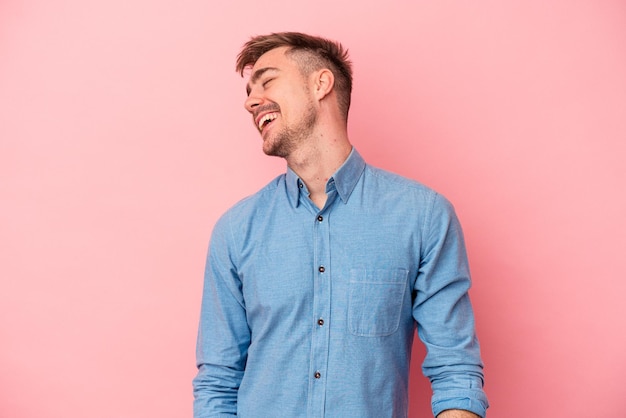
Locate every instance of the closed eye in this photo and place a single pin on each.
(266, 82)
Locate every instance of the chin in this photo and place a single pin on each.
(272, 152)
(270, 149)
(275, 150)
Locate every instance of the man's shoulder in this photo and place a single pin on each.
(394, 187)
(398, 182)
(402, 192)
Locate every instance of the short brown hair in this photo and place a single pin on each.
(320, 53)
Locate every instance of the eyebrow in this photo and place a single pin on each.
(256, 75)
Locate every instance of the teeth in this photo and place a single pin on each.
(267, 118)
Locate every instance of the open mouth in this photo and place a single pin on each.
(266, 120)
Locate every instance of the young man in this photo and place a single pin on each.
(314, 286)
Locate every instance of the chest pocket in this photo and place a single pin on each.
(375, 301)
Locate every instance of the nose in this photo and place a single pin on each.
(252, 101)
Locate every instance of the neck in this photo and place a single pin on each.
(317, 162)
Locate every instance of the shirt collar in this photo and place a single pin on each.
(344, 179)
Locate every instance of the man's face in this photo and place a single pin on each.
(280, 103)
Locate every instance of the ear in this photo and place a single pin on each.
(323, 83)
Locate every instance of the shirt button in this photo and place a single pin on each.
(317, 375)
(320, 322)
(300, 185)
(320, 218)
(321, 269)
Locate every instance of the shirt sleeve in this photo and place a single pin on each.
(444, 316)
(223, 333)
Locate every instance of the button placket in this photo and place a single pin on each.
(321, 308)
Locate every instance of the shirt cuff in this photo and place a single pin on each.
(469, 400)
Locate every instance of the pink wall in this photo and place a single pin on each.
(123, 138)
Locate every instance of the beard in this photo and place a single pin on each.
(287, 139)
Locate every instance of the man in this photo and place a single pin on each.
(314, 286)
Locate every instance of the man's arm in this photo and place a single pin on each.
(445, 320)
(223, 334)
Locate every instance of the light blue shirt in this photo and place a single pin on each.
(312, 313)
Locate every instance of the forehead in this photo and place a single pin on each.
(276, 58)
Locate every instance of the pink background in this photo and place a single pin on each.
(123, 138)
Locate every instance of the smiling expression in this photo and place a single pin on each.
(280, 103)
